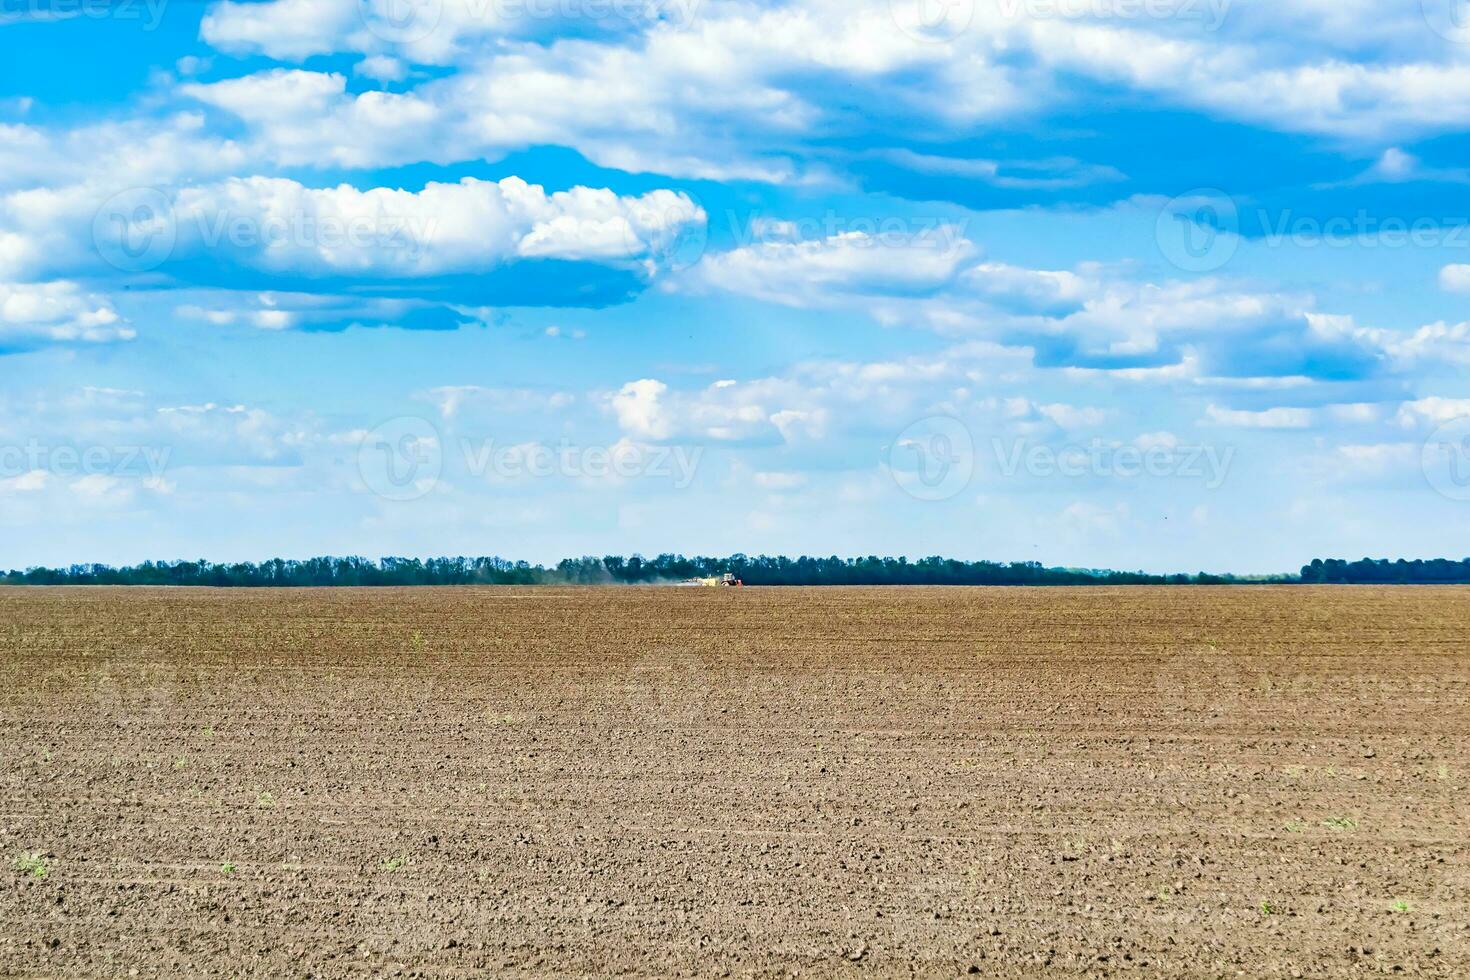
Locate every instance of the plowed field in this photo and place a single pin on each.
(1253, 782)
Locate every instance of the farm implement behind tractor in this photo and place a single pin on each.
(716, 582)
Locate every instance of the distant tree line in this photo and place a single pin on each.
(281, 572)
(752, 570)
(611, 569)
(1381, 571)
(780, 570)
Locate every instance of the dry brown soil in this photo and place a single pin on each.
(1253, 782)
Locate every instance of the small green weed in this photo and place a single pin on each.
(31, 864)
(393, 863)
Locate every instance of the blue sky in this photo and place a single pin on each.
(1163, 284)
